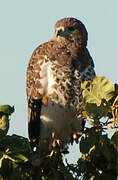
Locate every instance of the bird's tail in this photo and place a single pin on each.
(34, 111)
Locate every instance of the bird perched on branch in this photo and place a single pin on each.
(54, 76)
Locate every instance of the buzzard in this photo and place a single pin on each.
(54, 76)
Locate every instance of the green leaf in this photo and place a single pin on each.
(108, 151)
(88, 141)
(85, 145)
(13, 156)
(92, 178)
(92, 110)
(16, 157)
(4, 126)
(115, 111)
(96, 112)
(92, 123)
(108, 175)
(114, 140)
(4, 123)
(98, 89)
(1, 160)
(6, 109)
(17, 144)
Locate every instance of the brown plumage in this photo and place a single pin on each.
(54, 76)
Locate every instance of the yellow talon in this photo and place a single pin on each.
(75, 136)
(58, 142)
(53, 134)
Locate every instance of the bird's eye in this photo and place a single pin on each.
(71, 28)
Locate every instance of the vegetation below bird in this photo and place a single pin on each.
(99, 149)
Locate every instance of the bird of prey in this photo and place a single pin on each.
(54, 76)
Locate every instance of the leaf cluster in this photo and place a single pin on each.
(98, 146)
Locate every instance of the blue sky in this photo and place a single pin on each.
(25, 24)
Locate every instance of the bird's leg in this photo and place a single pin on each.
(37, 148)
(56, 143)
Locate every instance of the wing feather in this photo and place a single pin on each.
(34, 97)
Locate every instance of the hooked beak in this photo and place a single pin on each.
(60, 31)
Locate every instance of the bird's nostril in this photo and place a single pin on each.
(59, 32)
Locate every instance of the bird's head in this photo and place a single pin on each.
(71, 29)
